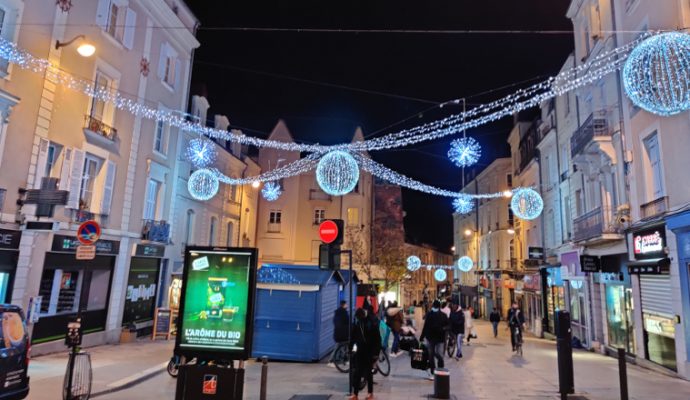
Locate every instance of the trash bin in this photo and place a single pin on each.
(441, 383)
(207, 382)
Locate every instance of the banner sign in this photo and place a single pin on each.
(217, 302)
(649, 243)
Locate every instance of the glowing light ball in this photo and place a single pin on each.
(203, 184)
(463, 204)
(465, 264)
(337, 173)
(464, 151)
(413, 263)
(440, 275)
(526, 204)
(201, 152)
(656, 75)
(271, 191)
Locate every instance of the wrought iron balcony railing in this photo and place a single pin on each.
(593, 223)
(596, 125)
(653, 208)
(99, 127)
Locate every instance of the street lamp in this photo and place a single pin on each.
(85, 49)
(255, 184)
(468, 232)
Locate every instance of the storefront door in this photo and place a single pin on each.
(578, 314)
(657, 317)
(142, 285)
(619, 317)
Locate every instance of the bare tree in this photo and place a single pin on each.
(356, 239)
(389, 257)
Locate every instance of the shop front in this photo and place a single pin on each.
(69, 286)
(680, 225)
(9, 254)
(554, 294)
(142, 288)
(530, 289)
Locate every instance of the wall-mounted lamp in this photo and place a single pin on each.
(85, 49)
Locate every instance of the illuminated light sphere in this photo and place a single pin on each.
(337, 173)
(463, 204)
(440, 275)
(464, 151)
(271, 191)
(201, 152)
(526, 204)
(465, 264)
(203, 184)
(413, 263)
(656, 75)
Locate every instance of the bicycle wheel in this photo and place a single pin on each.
(450, 347)
(384, 364)
(341, 359)
(519, 349)
(173, 368)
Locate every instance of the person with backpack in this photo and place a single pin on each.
(434, 332)
(340, 327)
(395, 320)
(495, 318)
(365, 335)
(457, 328)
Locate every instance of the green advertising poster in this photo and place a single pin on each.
(217, 301)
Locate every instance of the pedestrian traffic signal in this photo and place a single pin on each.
(329, 256)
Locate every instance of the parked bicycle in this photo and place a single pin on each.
(341, 359)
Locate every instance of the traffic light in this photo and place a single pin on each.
(329, 256)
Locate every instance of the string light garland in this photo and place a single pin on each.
(203, 184)
(464, 152)
(271, 191)
(656, 75)
(526, 203)
(201, 152)
(463, 204)
(270, 274)
(337, 173)
(440, 275)
(413, 263)
(465, 263)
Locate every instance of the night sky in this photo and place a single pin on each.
(257, 77)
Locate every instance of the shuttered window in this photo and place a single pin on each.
(656, 295)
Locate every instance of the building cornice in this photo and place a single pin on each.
(162, 15)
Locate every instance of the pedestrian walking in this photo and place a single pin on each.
(365, 335)
(395, 320)
(434, 331)
(340, 327)
(495, 318)
(469, 325)
(457, 328)
(445, 308)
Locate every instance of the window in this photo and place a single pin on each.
(189, 229)
(151, 201)
(654, 173)
(212, 231)
(169, 66)
(319, 216)
(509, 180)
(511, 218)
(231, 234)
(117, 20)
(579, 209)
(89, 174)
(353, 216)
(274, 221)
(568, 217)
(160, 138)
(99, 111)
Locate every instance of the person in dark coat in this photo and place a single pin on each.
(340, 328)
(495, 318)
(365, 335)
(457, 328)
(434, 332)
(516, 319)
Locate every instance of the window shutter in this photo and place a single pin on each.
(178, 71)
(102, 13)
(161, 60)
(64, 173)
(75, 175)
(652, 145)
(108, 184)
(41, 162)
(130, 27)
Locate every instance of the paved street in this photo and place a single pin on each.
(488, 371)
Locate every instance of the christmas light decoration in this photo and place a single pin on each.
(463, 204)
(440, 275)
(337, 173)
(656, 75)
(271, 274)
(271, 191)
(464, 151)
(526, 203)
(413, 263)
(201, 152)
(203, 184)
(465, 264)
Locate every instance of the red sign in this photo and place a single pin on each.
(210, 385)
(88, 233)
(649, 243)
(328, 231)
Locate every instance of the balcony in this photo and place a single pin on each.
(100, 134)
(80, 216)
(595, 128)
(156, 231)
(315, 194)
(596, 226)
(654, 208)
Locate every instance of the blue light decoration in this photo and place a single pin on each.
(201, 152)
(440, 275)
(526, 203)
(464, 151)
(337, 173)
(203, 184)
(271, 191)
(465, 264)
(656, 75)
(463, 204)
(413, 263)
(270, 274)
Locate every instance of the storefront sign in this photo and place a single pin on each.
(69, 244)
(590, 263)
(9, 239)
(509, 283)
(162, 323)
(149, 250)
(85, 252)
(571, 262)
(532, 282)
(649, 243)
(535, 253)
(216, 310)
(650, 269)
(659, 325)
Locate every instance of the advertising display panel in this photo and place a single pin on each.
(217, 303)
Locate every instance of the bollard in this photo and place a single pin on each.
(623, 374)
(264, 377)
(441, 383)
(566, 380)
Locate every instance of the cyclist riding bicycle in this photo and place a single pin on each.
(516, 320)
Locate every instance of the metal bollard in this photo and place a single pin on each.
(623, 374)
(441, 383)
(264, 377)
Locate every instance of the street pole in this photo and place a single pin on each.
(349, 321)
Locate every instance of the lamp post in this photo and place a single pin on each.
(85, 48)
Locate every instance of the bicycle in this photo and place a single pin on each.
(451, 344)
(341, 359)
(517, 338)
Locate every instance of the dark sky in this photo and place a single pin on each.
(248, 75)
